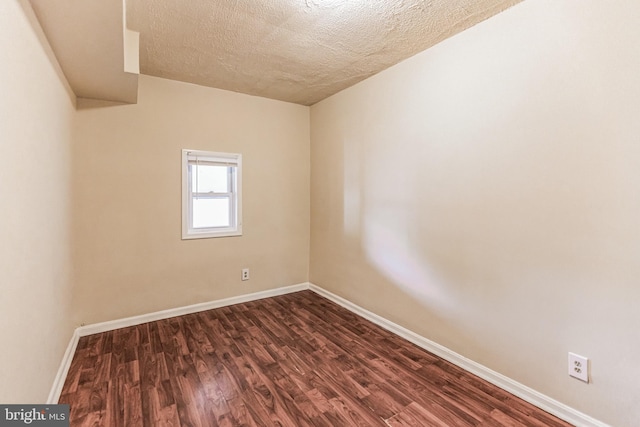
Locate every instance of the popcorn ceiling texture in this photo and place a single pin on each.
(300, 51)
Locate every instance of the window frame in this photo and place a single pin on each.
(234, 195)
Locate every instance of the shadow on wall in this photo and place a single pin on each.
(375, 214)
(475, 232)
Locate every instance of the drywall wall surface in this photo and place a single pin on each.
(485, 194)
(36, 114)
(129, 255)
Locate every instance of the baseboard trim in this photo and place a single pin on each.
(61, 376)
(540, 400)
(97, 328)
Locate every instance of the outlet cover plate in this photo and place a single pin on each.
(579, 367)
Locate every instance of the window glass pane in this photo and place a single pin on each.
(207, 178)
(211, 213)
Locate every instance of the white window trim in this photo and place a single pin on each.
(187, 231)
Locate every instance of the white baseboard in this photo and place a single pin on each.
(540, 400)
(527, 394)
(61, 376)
(97, 328)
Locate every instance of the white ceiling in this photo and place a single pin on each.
(300, 51)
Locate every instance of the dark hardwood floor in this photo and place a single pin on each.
(293, 360)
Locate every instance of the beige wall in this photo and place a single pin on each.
(486, 194)
(36, 114)
(128, 253)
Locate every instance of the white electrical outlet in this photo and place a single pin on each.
(245, 274)
(579, 367)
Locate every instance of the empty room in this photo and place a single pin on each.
(320, 212)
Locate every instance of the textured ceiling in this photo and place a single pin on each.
(299, 51)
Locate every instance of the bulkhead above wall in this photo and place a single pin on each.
(97, 53)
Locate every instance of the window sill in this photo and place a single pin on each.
(210, 234)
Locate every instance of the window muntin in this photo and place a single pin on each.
(211, 194)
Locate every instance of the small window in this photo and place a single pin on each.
(211, 194)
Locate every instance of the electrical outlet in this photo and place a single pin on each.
(245, 274)
(579, 367)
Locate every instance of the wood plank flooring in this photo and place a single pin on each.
(294, 360)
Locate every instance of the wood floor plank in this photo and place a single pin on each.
(290, 361)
